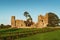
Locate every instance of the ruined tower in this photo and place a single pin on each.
(42, 21)
(13, 21)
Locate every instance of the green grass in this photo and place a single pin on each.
(15, 31)
(55, 35)
(29, 33)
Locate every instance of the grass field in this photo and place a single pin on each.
(30, 34)
(55, 35)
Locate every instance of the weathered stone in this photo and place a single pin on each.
(49, 19)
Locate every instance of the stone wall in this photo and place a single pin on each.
(42, 21)
(20, 23)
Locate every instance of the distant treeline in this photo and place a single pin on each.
(4, 26)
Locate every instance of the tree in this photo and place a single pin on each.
(5, 26)
(59, 20)
(26, 13)
(2, 25)
(28, 17)
(53, 19)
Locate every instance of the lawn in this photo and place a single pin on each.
(55, 35)
(30, 34)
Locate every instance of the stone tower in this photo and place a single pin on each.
(13, 21)
(42, 21)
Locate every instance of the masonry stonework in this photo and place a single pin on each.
(43, 21)
(13, 21)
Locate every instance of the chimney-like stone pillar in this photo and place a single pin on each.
(13, 24)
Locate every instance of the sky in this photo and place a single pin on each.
(17, 8)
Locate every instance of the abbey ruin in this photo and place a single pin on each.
(50, 19)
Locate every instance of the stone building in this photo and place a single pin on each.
(17, 23)
(50, 19)
(42, 21)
